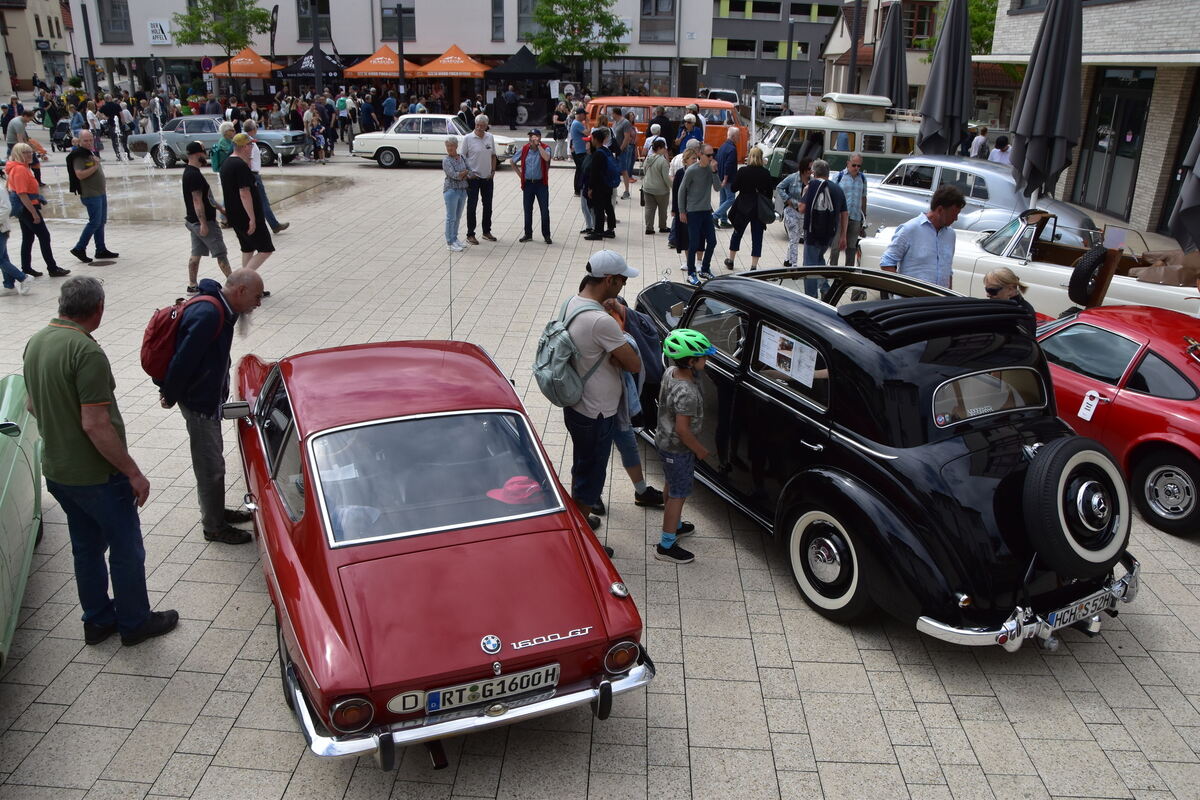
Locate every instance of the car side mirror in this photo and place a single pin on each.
(10, 429)
(236, 409)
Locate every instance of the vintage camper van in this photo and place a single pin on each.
(718, 117)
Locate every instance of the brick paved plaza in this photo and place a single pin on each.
(756, 696)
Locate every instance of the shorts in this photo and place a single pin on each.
(211, 245)
(680, 471)
(627, 159)
(257, 242)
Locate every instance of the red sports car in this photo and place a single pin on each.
(1127, 376)
(429, 574)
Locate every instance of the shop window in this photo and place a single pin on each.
(497, 20)
(387, 23)
(304, 17)
(658, 22)
(114, 22)
(527, 28)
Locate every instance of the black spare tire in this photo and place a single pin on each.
(1083, 275)
(1076, 507)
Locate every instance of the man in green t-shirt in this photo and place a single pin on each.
(88, 468)
(88, 174)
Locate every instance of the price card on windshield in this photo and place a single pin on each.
(1090, 401)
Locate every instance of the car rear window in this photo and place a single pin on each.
(984, 393)
(419, 475)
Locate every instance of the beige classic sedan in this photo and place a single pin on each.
(419, 137)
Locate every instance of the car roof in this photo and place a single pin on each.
(635, 100)
(430, 116)
(978, 165)
(358, 383)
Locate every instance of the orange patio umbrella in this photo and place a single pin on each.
(453, 63)
(246, 64)
(383, 63)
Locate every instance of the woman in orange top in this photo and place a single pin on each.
(27, 204)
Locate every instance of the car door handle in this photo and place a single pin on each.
(816, 448)
(249, 501)
(1065, 285)
(1104, 399)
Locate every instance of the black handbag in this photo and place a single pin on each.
(766, 210)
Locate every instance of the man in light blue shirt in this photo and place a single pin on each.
(923, 247)
(578, 145)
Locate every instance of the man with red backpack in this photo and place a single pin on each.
(197, 379)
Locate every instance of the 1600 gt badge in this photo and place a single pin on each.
(550, 637)
(491, 644)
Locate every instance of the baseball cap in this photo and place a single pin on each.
(535, 132)
(194, 147)
(609, 262)
(580, 112)
(241, 140)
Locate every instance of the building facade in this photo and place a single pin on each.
(1139, 105)
(664, 35)
(920, 24)
(36, 41)
(750, 38)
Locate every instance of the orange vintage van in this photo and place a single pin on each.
(717, 115)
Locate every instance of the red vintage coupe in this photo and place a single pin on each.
(1127, 376)
(429, 574)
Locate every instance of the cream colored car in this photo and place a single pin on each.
(419, 137)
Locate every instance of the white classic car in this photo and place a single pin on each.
(419, 137)
(1044, 258)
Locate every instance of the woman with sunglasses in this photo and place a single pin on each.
(1003, 284)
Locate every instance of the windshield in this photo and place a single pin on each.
(404, 477)
(770, 89)
(986, 393)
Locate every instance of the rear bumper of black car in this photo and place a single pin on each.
(1024, 624)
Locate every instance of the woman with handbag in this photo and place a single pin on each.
(27, 202)
(752, 188)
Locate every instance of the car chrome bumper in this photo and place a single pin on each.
(383, 742)
(1024, 625)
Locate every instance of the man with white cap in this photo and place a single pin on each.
(602, 347)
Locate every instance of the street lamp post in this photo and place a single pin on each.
(318, 78)
(787, 70)
(400, 89)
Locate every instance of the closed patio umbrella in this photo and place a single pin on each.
(1184, 223)
(889, 74)
(949, 95)
(1045, 121)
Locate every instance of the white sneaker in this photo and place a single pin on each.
(461, 244)
(23, 286)
(455, 247)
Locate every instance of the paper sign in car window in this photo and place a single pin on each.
(792, 357)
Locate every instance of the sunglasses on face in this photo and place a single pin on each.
(992, 291)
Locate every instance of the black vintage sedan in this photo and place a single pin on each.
(902, 443)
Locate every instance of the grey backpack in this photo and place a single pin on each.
(553, 365)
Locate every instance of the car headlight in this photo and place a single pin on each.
(351, 714)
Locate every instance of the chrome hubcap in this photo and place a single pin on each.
(823, 560)
(1091, 501)
(1170, 492)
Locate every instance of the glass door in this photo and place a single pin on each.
(1112, 144)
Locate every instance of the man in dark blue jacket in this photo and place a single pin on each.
(198, 380)
(727, 166)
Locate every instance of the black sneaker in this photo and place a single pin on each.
(193, 289)
(158, 623)
(650, 497)
(58, 272)
(591, 237)
(610, 234)
(95, 634)
(82, 255)
(31, 272)
(729, 263)
(664, 230)
(675, 554)
(685, 529)
(548, 240)
(235, 515)
(586, 231)
(525, 238)
(227, 534)
(594, 521)
(105, 254)
(599, 509)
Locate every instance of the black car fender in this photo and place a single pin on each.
(902, 575)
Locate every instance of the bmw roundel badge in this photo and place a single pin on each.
(490, 644)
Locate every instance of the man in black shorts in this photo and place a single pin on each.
(200, 213)
(243, 205)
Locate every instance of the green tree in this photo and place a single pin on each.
(577, 29)
(981, 15)
(228, 25)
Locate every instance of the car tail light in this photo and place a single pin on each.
(621, 657)
(351, 714)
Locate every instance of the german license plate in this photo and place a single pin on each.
(491, 689)
(1085, 608)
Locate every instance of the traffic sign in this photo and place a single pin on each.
(206, 64)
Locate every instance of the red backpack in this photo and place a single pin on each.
(158, 342)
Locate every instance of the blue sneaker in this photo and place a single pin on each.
(693, 280)
(706, 275)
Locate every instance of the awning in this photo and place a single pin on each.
(524, 64)
(313, 61)
(453, 63)
(246, 64)
(383, 63)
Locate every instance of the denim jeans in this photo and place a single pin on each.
(814, 256)
(97, 211)
(208, 465)
(479, 188)
(700, 231)
(268, 214)
(727, 198)
(12, 273)
(591, 445)
(589, 219)
(456, 201)
(626, 441)
(540, 191)
(104, 517)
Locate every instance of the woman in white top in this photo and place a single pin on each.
(1002, 153)
(93, 122)
(655, 131)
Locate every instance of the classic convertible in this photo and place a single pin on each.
(171, 145)
(429, 574)
(903, 445)
(20, 502)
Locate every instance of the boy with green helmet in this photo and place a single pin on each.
(680, 419)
